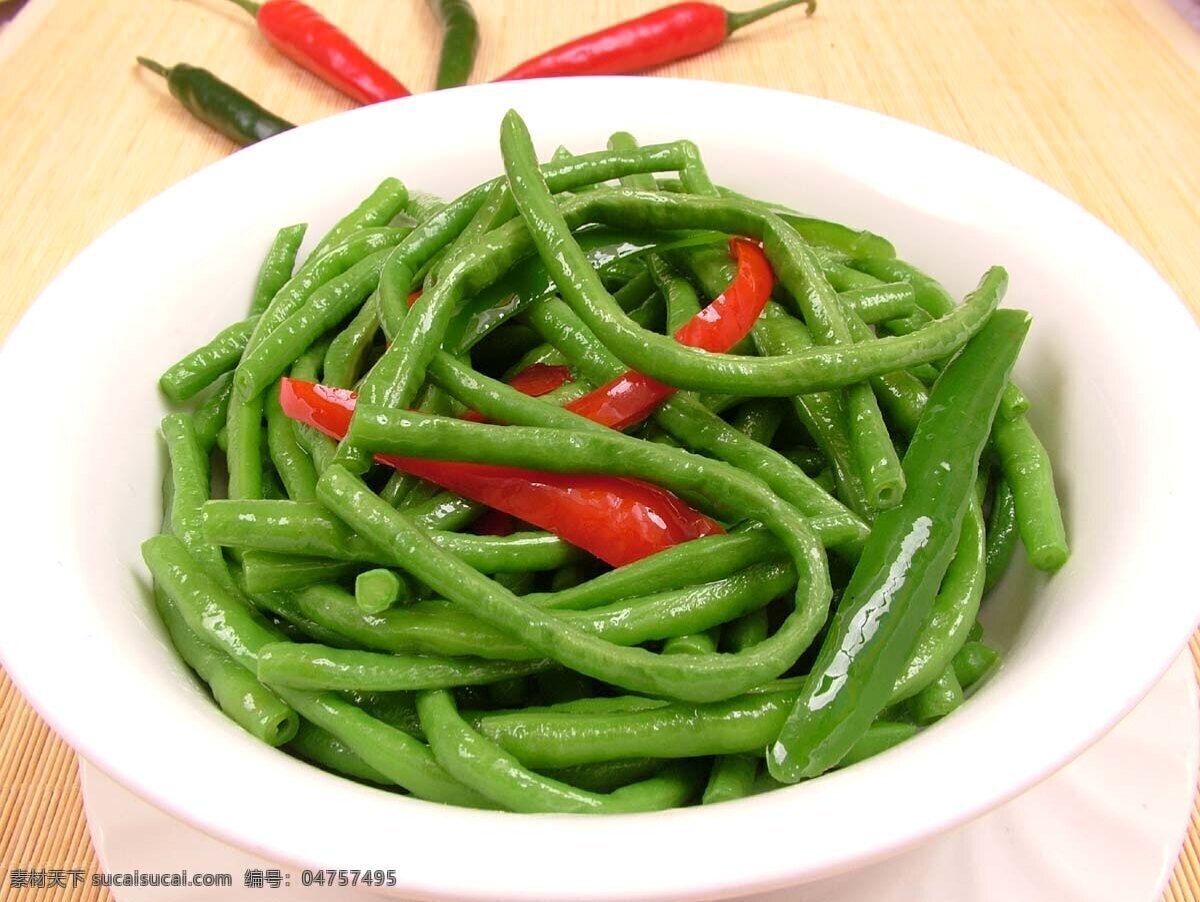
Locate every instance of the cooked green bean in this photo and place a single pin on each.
(690, 677)
(211, 412)
(244, 447)
(745, 724)
(378, 209)
(295, 528)
(270, 358)
(292, 463)
(931, 297)
(973, 662)
(189, 491)
(322, 667)
(874, 456)
(821, 232)
(691, 563)
(252, 706)
(348, 350)
(319, 271)
(345, 610)
(422, 205)
(266, 571)
(198, 370)
(692, 643)
(683, 416)
(399, 757)
(247, 702)
(606, 776)
(277, 266)
(281, 604)
(953, 612)
(678, 365)
(212, 611)
(1027, 470)
(1001, 534)
(880, 303)
(823, 414)
(487, 769)
(732, 778)
(377, 590)
(439, 628)
(937, 699)
(880, 737)
(327, 751)
(440, 228)
(445, 510)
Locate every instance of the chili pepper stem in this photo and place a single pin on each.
(153, 66)
(249, 6)
(736, 20)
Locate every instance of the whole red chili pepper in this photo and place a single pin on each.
(618, 520)
(667, 34)
(310, 40)
(631, 397)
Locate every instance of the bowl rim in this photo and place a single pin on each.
(846, 838)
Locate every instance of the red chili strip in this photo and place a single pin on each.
(631, 397)
(661, 36)
(616, 519)
(310, 40)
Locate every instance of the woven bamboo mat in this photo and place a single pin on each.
(1100, 99)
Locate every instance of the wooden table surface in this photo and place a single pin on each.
(1100, 99)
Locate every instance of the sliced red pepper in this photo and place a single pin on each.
(539, 379)
(618, 520)
(631, 397)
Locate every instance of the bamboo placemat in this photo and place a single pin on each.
(1100, 99)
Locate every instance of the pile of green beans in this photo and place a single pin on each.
(870, 464)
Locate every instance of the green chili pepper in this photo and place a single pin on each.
(906, 556)
(218, 104)
(460, 42)
(1001, 534)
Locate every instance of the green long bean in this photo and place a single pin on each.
(691, 677)
(437, 627)
(1028, 471)
(486, 768)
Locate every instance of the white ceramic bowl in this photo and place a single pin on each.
(1111, 367)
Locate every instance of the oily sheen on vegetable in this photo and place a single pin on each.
(600, 488)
